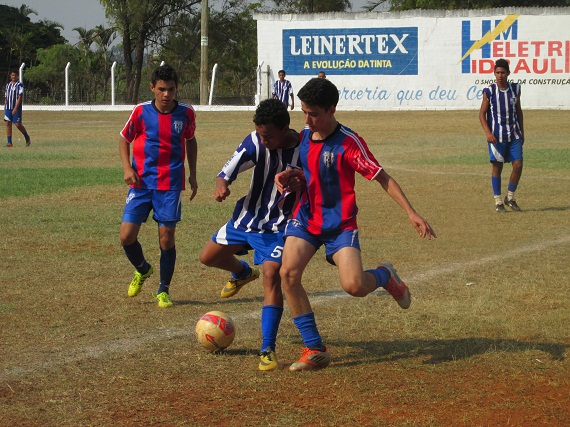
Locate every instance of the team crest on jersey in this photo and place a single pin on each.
(178, 126)
(328, 158)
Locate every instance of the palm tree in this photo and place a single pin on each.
(85, 38)
(104, 38)
(26, 11)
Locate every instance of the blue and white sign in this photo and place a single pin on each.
(372, 51)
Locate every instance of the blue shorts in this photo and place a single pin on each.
(167, 206)
(14, 118)
(333, 242)
(266, 246)
(505, 152)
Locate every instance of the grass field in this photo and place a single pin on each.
(485, 342)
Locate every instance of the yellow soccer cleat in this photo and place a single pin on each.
(136, 285)
(234, 285)
(163, 299)
(268, 360)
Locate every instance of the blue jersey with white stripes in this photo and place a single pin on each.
(13, 91)
(502, 115)
(282, 91)
(260, 210)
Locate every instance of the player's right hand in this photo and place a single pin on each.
(131, 177)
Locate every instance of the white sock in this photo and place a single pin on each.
(510, 195)
(498, 200)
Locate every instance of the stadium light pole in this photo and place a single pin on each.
(204, 54)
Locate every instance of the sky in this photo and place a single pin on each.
(84, 13)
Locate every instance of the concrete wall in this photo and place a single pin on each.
(420, 59)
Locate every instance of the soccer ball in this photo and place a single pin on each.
(215, 331)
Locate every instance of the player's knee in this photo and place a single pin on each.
(206, 258)
(289, 277)
(354, 287)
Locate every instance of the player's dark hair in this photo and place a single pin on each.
(319, 92)
(271, 111)
(502, 63)
(165, 73)
(281, 71)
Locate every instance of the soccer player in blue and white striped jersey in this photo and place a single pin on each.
(13, 108)
(501, 117)
(283, 89)
(259, 218)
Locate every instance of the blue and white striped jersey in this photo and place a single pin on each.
(13, 91)
(502, 115)
(260, 211)
(282, 91)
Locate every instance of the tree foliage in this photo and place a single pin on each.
(139, 22)
(20, 38)
(462, 4)
(312, 6)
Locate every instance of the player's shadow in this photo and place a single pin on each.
(438, 351)
(548, 208)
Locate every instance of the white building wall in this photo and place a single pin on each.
(420, 59)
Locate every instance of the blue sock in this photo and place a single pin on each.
(382, 276)
(135, 255)
(167, 264)
(270, 319)
(512, 187)
(9, 139)
(244, 273)
(307, 327)
(496, 182)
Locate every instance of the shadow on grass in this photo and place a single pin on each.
(549, 208)
(440, 351)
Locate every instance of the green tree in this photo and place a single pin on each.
(138, 22)
(20, 38)
(49, 74)
(26, 11)
(232, 44)
(312, 6)
(462, 4)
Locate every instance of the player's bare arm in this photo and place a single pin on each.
(394, 190)
(222, 190)
(520, 117)
(483, 120)
(129, 174)
(192, 156)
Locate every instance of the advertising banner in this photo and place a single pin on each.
(421, 59)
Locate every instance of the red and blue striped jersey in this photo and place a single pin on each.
(502, 115)
(13, 91)
(159, 144)
(260, 211)
(329, 204)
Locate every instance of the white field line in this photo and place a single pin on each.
(126, 344)
(484, 174)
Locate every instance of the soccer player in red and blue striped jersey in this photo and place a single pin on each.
(161, 133)
(501, 117)
(331, 155)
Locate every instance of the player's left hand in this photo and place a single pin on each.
(193, 186)
(422, 226)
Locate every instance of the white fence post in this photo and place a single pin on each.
(21, 72)
(212, 83)
(113, 82)
(67, 84)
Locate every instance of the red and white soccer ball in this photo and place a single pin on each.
(215, 331)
